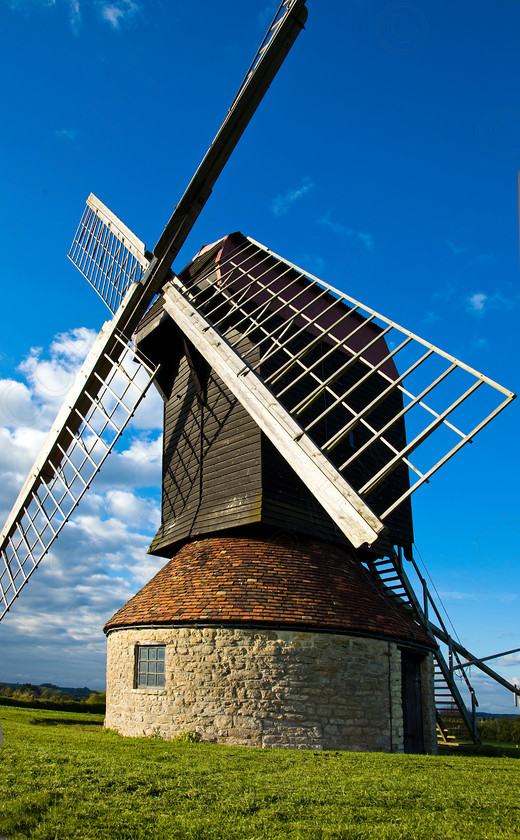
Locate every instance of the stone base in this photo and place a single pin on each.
(266, 688)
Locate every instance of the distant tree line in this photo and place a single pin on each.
(505, 730)
(50, 697)
(501, 729)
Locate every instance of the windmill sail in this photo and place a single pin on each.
(82, 436)
(331, 382)
(107, 253)
(113, 259)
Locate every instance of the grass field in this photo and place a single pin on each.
(62, 776)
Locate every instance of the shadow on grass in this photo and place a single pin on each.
(484, 751)
(64, 722)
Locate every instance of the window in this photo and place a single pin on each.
(149, 662)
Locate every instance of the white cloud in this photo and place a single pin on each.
(116, 14)
(149, 414)
(122, 11)
(343, 230)
(17, 407)
(504, 299)
(139, 465)
(476, 302)
(132, 509)
(511, 659)
(282, 203)
(50, 374)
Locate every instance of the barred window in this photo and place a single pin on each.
(149, 666)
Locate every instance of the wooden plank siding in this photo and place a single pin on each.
(211, 463)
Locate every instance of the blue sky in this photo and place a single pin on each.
(383, 159)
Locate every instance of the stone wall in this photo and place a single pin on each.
(261, 688)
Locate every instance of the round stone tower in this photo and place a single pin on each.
(281, 641)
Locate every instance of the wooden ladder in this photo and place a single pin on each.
(390, 572)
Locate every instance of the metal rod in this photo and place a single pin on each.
(486, 658)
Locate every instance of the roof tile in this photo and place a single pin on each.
(243, 580)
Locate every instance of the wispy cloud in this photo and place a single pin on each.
(266, 15)
(65, 133)
(343, 230)
(456, 251)
(75, 14)
(480, 343)
(120, 12)
(453, 595)
(446, 293)
(430, 317)
(116, 13)
(73, 7)
(510, 659)
(282, 203)
(484, 259)
(478, 259)
(312, 263)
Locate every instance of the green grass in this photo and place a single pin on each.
(63, 777)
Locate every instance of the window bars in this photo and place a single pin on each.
(150, 660)
(349, 376)
(78, 444)
(107, 253)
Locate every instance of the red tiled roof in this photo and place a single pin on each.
(296, 582)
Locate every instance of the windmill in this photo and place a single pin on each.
(302, 394)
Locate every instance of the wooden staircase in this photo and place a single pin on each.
(449, 702)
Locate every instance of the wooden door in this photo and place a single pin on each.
(412, 701)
